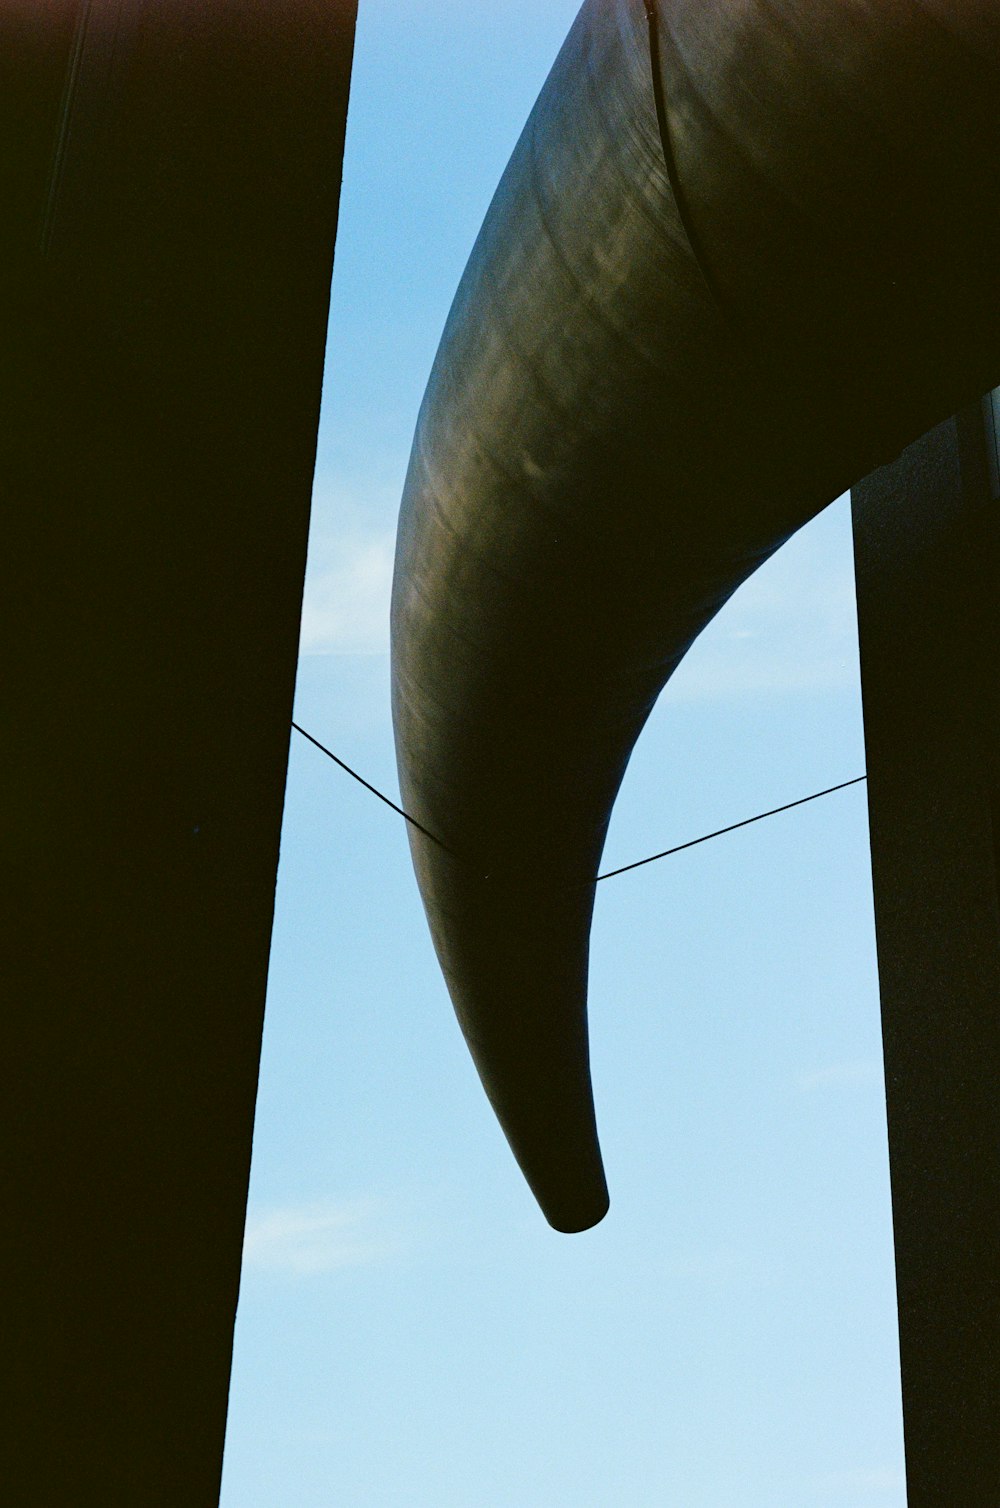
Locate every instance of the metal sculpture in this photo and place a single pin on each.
(744, 252)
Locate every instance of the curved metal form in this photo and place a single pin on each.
(744, 252)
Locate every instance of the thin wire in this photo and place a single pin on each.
(731, 828)
(610, 874)
(361, 781)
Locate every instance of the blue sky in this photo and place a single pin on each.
(410, 1331)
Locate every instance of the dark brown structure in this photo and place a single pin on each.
(169, 178)
(742, 254)
(927, 544)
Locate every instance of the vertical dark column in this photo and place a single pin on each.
(926, 545)
(169, 180)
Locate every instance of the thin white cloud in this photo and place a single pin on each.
(725, 1267)
(345, 609)
(303, 1239)
(877, 1480)
(791, 628)
(858, 1074)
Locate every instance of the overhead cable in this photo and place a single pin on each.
(610, 873)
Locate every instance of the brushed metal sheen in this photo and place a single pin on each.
(641, 392)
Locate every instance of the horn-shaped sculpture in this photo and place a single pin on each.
(744, 252)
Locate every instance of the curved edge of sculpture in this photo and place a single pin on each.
(634, 403)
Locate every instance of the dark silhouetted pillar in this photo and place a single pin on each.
(169, 179)
(926, 543)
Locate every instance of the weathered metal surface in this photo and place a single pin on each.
(639, 394)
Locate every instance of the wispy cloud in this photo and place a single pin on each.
(346, 605)
(303, 1239)
(857, 1074)
(742, 1269)
(876, 1480)
(792, 627)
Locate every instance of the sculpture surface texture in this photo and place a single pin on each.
(743, 253)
